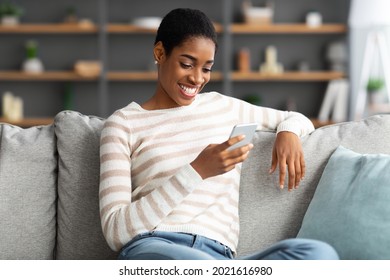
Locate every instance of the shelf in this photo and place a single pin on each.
(237, 28)
(100, 33)
(287, 76)
(131, 28)
(45, 76)
(132, 76)
(146, 76)
(379, 108)
(317, 123)
(287, 28)
(28, 122)
(152, 76)
(50, 28)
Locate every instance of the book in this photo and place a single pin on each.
(335, 104)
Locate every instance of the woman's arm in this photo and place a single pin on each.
(287, 154)
(124, 209)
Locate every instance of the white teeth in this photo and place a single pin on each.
(188, 90)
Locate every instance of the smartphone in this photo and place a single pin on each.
(247, 129)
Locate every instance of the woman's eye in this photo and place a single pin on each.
(207, 70)
(186, 66)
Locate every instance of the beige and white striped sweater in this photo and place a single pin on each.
(147, 182)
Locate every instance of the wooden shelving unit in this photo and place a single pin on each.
(104, 28)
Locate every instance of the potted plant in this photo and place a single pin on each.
(374, 87)
(32, 64)
(10, 13)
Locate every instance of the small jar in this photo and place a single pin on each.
(313, 19)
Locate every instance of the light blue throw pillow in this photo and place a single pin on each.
(350, 209)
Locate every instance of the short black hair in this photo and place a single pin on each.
(182, 24)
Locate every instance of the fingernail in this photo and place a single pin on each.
(281, 187)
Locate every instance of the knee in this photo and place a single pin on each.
(319, 250)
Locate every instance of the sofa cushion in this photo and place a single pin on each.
(268, 214)
(350, 209)
(28, 180)
(79, 231)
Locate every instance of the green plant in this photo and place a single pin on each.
(375, 84)
(31, 49)
(9, 9)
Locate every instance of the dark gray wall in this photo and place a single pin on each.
(134, 52)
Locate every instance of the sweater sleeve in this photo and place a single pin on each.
(275, 120)
(122, 214)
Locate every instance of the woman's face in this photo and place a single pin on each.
(184, 73)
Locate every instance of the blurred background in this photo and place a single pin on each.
(325, 59)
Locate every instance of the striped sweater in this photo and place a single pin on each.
(147, 182)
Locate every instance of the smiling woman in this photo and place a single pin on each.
(169, 183)
(183, 73)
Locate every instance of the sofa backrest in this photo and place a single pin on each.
(41, 219)
(268, 214)
(79, 231)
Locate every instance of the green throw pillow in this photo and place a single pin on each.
(350, 209)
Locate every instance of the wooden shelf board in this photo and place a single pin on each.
(145, 76)
(379, 108)
(131, 28)
(49, 28)
(287, 28)
(128, 28)
(317, 123)
(152, 76)
(45, 76)
(287, 76)
(237, 28)
(131, 76)
(28, 122)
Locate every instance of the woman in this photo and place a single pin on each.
(169, 186)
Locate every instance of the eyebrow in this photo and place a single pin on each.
(194, 58)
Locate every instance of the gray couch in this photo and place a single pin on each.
(49, 180)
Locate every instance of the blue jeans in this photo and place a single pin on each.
(160, 245)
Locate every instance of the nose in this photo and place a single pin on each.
(197, 77)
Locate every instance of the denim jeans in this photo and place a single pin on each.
(160, 245)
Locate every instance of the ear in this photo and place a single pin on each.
(159, 52)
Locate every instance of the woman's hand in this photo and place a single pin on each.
(215, 159)
(287, 154)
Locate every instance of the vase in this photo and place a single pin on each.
(33, 65)
(9, 20)
(377, 97)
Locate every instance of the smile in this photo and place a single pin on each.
(189, 91)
